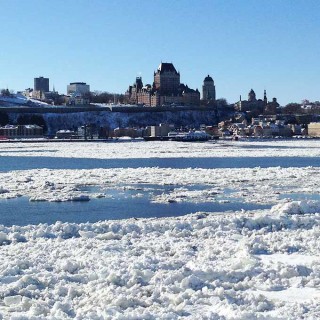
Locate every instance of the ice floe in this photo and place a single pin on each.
(249, 185)
(164, 149)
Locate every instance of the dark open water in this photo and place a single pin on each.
(25, 163)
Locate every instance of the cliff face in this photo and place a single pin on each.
(112, 120)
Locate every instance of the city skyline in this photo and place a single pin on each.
(271, 46)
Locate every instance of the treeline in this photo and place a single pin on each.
(297, 108)
(105, 97)
(6, 92)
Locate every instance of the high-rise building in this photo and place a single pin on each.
(208, 89)
(41, 84)
(78, 88)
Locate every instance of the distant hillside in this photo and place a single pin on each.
(112, 120)
(14, 100)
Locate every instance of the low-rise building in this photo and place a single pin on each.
(21, 131)
(314, 129)
(262, 127)
(30, 130)
(161, 130)
(128, 132)
(9, 131)
(66, 134)
(238, 129)
(212, 130)
(77, 99)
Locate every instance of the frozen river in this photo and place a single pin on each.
(161, 230)
(121, 200)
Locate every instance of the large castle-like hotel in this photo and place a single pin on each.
(167, 90)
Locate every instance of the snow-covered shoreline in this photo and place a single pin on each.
(261, 264)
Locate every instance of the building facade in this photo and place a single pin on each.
(208, 89)
(314, 129)
(41, 84)
(166, 90)
(21, 131)
(261, 106)
(78, 87)
(166, 79)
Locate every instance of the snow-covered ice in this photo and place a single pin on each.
(161, 149)
(251, 185)
(201, 266)
(261, 264)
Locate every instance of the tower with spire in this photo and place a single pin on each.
(253, 104)
(265, 100)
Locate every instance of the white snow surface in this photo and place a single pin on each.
(251, 185)
(240, 265)
(170, 149)
(261, 264)
(21, 100)
(16, 98)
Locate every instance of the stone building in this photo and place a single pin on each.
(271, 107)
(166, 79)
(190, 97)
(252, 104)
(132, 92)
(258, 106)
(208, 89)
(166, 90)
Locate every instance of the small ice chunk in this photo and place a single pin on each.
(12, 300)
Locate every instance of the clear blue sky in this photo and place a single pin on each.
(272, 45)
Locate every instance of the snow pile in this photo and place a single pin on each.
(297, 207)
(201, 266)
